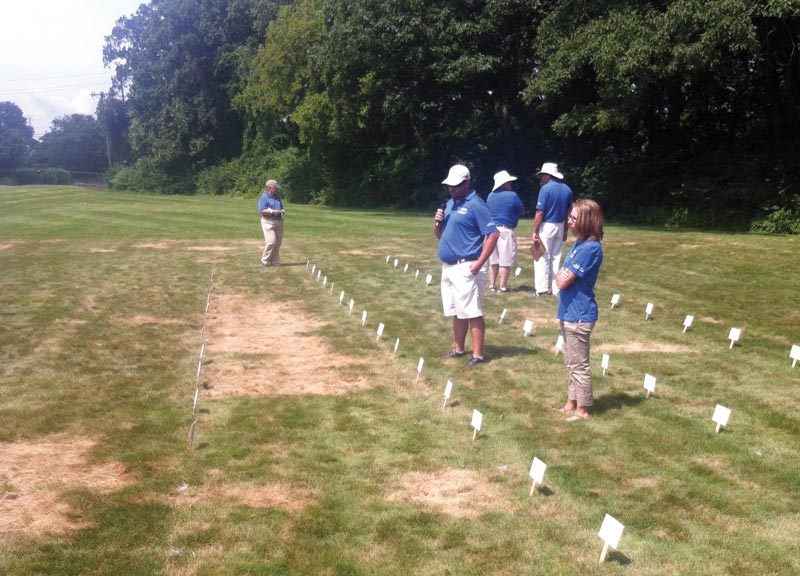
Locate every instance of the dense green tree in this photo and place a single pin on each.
(75, 143)
(16, 137)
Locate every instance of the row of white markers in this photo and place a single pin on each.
(611, 529)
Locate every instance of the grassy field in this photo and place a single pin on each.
(318, 450)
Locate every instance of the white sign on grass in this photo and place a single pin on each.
(307, 263)
(687, 322)
(319, 273)
(527, 327)
(477, 422)
(380, 331)
(387, 258)
(614, 300)
(331, 288)
(428, 280)
(610, 533)
(352, 303)
(605, 362)
(313, 268)
(396, 262)
(405, 268)
(420, 364)
(396, 345)
(518, 271)
(537, 473)
(503, 315)
(559, 344)
(649, 384)
(648, 310)
(325, 282)
(416, 275)
(794, 354)
(448, 390)
(721, 416)
(364, 318)
(341, 297)
(734, 335)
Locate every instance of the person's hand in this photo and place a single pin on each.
(439, 217)
(474, 268)
(536, 239)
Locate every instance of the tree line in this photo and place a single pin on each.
(682, 112)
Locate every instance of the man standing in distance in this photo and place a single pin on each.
(461, 228)
(549, 226)
(272, 211)
(506, 207)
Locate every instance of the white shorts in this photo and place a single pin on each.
(505, 253)
(462, 292)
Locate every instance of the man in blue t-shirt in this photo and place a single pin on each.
(271, 209)
(506, 207)
(549, 229)
(467, 236)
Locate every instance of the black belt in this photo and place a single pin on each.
(461, 261)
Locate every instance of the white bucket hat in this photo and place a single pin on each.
(501, 178)
(457, 175)
(552, 169)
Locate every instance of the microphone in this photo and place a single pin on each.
(442, 206)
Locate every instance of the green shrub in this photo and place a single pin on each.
(148, 175)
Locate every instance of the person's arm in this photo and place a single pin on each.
(565, 279)
(537, 222)
(438, 223)
(488, 247)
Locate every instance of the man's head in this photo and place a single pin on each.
(548, 171)
(458, 182)
(272, 187)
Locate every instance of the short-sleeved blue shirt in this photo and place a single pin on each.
(273, 202)
(463, 228)
(506, 207)
(554, 200)
(577, 303)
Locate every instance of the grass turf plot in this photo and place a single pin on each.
(318, 450)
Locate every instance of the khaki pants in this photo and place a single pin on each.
(273, 236)
(576, 357)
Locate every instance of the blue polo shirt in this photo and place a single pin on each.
(506, 207)
(463, 228)
(554, 200)
(273, 202)
(577, 303)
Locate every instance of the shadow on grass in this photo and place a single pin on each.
(497, 352)
(618, 557)
(615, 402)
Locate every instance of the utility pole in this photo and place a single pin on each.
(102, 96)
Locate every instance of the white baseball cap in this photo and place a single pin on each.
(457, 175)
(501, 178)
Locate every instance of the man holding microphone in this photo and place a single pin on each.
(467, 236)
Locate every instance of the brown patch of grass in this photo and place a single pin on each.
(143, 320)
(259, 348)
(460, 493)
(6, 245)
(274, 495)
(34, 474)
(102, 250)
(644, 347)
(153, 245)
(210, 248)
(710, 320)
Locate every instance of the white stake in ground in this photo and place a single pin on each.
(420, 364)
(649, 384)
(396, 346)
(352, 303)
(687, 322)
(416, 275)
(794, 354)
(331, 288)
(614, 300)
(610, 533)
(448, 389)
(537, 474)
(396, 262)
(428, 280)
(405, 268)
(604, 363)
(734, 336)
(364, 318)
(313, 269)
(721, 416)
(325, 282)
(527, 327)
(518, 271)
(341, 297)
(380, 331)
(191, 433)
(477, 421)
(648, 311)
(559, 344)
(503, 315)
(388, 258)
(307, 263)
(319, 273)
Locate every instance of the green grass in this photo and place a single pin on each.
(78, 266)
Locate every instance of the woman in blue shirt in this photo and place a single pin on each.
(577, 307)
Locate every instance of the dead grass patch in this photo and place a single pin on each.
(33, 476)
(454, 492)
(258, 348)
(153, 245)
(6, 245)
(144, 320)
(210, 248)
(275, 495)
(102, 250)
(633, 347)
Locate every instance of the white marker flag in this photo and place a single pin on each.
(387, 258)
(687, 322)
(396, 345)
(734, 335)
(420, 364)
(610, 533)
(721, 416)
(794, 354)
(477, 420)
(518, 271)
(503, 315)
(380, 331)
(341, 297)
(448, 389)
(605, 362)
(313, 268)
(537, 473)
(527, 327)
(352, 303)
(405, 268)
(648, 311)
(416, 275)
(364, 318)
(614, 300)
(319, 273)
(396, 262)
(324, 281)
(559, 344)
(649, 384)
(428, 280)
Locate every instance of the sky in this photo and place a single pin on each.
(51, 55)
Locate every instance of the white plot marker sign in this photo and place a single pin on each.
(610, 533)
(448, 390)
(396, 262)
(734, 335)
(313, 268)
(721, 416)
(364, 318)
(477, 421)
(387, 258)
(396, 345)
(325, 282)
(341, 297)
(649, 384)
(428, 280)
(794, 354)
(352, 303)
(537, 474)
(605, 362)
(518, 271)
(420, 364)
(648, 311)
(503, 315)
(319, 273)
(331, 288)
(405, 268)
(380, 331)
(687, 322)
(527, 327)
(559, 344)
(614, 300)
(416, 275)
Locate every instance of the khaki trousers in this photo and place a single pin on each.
(576, 357)
(273, 236)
